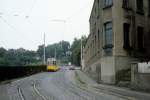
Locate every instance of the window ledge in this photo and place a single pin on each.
(127, 8)
(127, 47)
(108, 46)
(140, 12)
(107, 6)
(141, 49)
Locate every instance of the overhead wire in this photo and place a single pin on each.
(79, 11)
(16, 15)
(28, 14)
(7, 23)
(12, 27)
(31, 9)
(73, 15)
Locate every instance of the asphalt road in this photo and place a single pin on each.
(50, 86)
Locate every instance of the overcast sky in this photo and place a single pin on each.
(23, 22)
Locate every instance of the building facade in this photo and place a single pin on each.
(119, 35)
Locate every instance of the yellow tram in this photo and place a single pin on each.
(51, 65)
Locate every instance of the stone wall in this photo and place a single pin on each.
(139, 81)
(10, 72)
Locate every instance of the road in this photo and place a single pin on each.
(51, 86)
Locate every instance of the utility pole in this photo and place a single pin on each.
(44, 51)
(55, 53)
(81, 50)
(81, 54)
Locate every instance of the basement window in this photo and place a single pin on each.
(108, 3)
(126, 30)
(140, 6)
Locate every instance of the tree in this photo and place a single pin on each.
(2, 52)
(76, 50)
(17, 57)
(40, 51)
(61, 48)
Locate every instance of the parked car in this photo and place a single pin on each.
(71, 68)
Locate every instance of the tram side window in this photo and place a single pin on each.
(54, 62)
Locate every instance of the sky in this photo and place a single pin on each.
(24, 22)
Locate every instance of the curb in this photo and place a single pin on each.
(120, 92)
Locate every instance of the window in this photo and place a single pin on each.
(149, 7)
(126, 30)
(140, 37)
(98, 39)
(94, 29)
(107, 3)
(125, 4)
(139, 5)
(95, 44)
(95, 39)
(98, 10)
(108, 35)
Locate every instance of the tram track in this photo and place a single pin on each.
(55, 86)
(35, 90)
(20, 93)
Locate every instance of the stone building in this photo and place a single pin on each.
(119, 35)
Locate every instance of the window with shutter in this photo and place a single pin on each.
(98, 39)
(139, 6)
(149, 7)
(125, 4)
(140, 37)
(126, 30)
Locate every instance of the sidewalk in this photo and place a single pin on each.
(3, 92)
(113, 90)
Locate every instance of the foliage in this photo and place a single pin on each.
(63, 51)
(60, 49)
(76, 50)
(17, 57)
